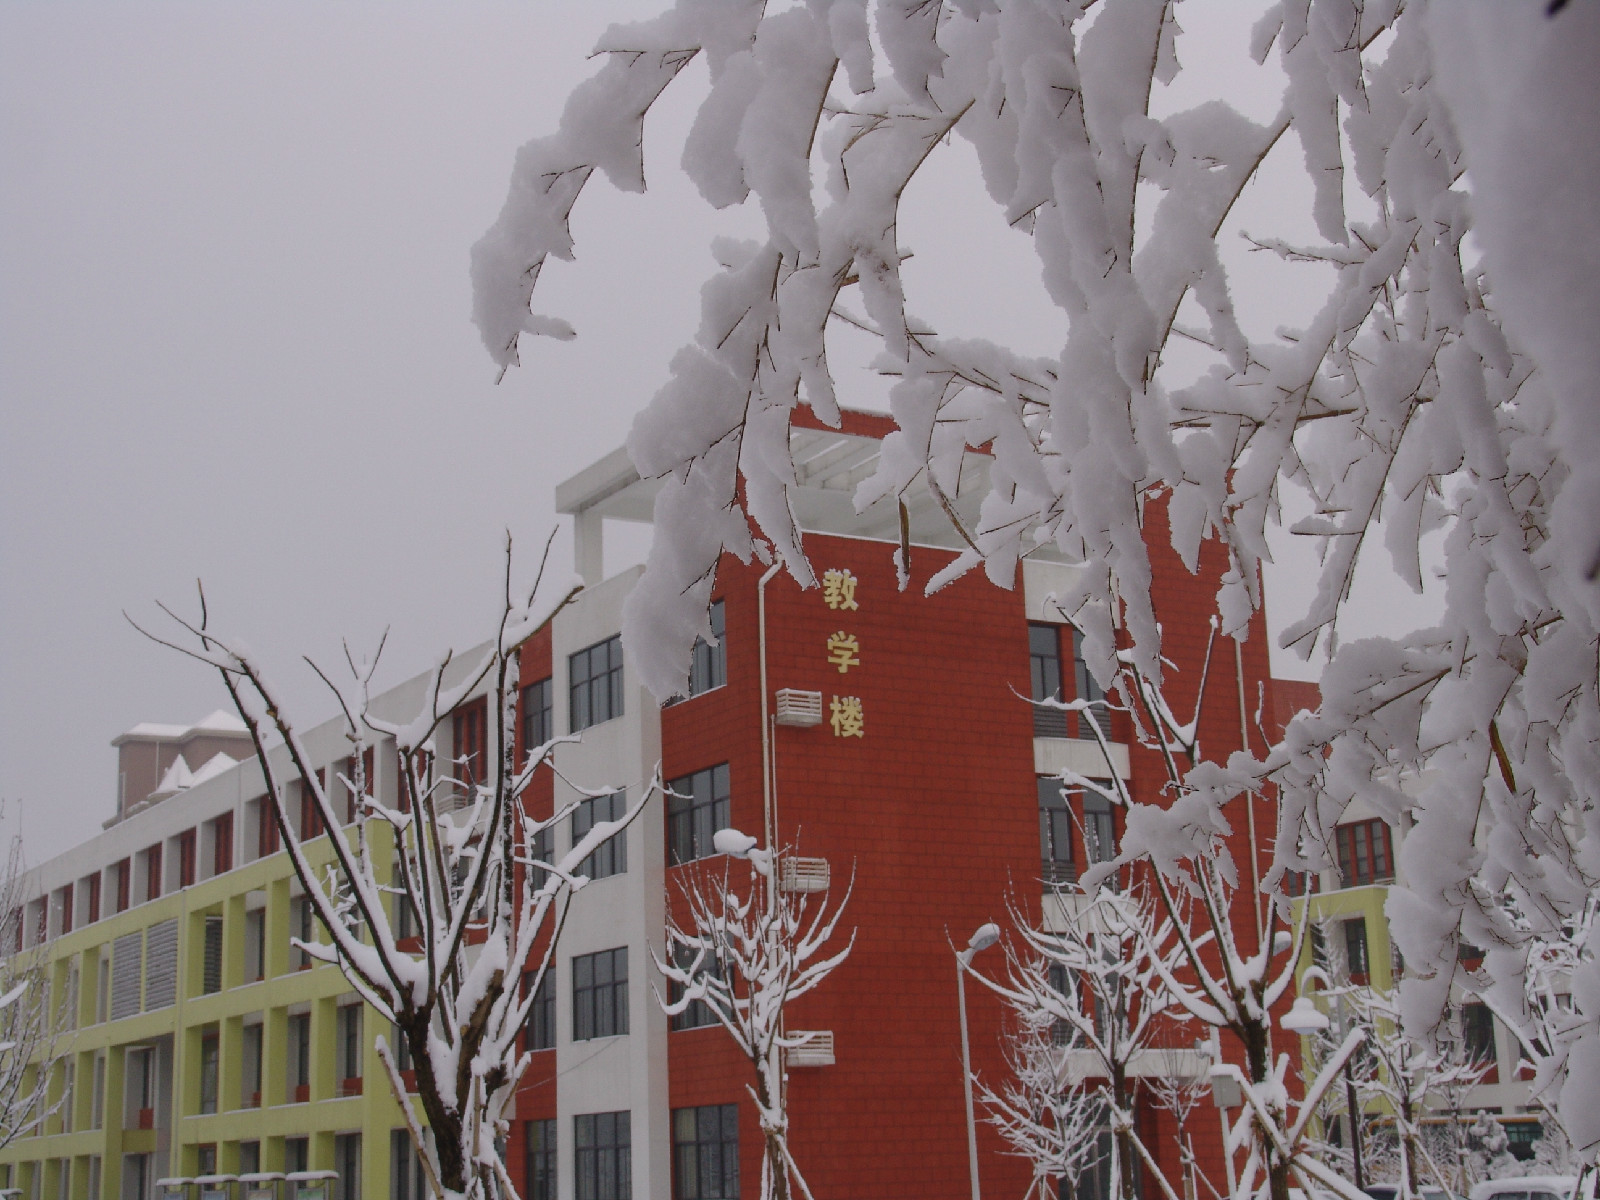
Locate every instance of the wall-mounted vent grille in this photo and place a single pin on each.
(816, 1051)
(161, 969)
(799, 708)
(127, 973)
(803, 874)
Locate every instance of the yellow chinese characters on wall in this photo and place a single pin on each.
(846, 717)
(844, 651)
(839, 589)
(845, 713)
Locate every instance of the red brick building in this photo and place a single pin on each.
(919, 779)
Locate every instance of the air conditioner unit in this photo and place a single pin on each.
(799, 708)
(803, 874)
(817, 1051)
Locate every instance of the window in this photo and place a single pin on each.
(211, 965)
(299, 931)
(1477, 1032)
(299, 1027)
(121, 881)
(1055, 833)
(186, 857)
(540, 1032)
(310, 812)
(94, 898)
(596, 677)
(349, 1049)
(708, 668)
(206, 1159)
(347, 1161)
(297, 1154)
(600, 994)
(1099, 830)
(1355, 948)
(250, 1063)
(406, 1180)
(540, 1161)
(152, 872)
(697, 806)
(1088, 689)
(1044, 663)
(208, 1073)
(266, 827)
(1061, 1031)
(249, 1158)
(698, 1014)
(66, 907)
(470, 739)
(537, 716)
(401, 1048)
(541, 848)
(705, 1152)
(358, 782)
(222, 844)
(603, 1157)
(610, 857)
(255, 945)
(1364, 853)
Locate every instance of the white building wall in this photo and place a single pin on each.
(627, 1072)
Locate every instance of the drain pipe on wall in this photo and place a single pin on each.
(768, 816)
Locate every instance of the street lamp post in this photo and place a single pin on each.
(986, 936)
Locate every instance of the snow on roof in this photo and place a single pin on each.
(177, 777)
(222, 722)
(216, 765)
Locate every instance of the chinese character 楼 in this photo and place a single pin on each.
(839, 589)
(844, 651)
(846, 717)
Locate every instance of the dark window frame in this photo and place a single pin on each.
(536, 717)
(600, 994)
(540, 1161)
(708, 664)
(539, 1032)
(1057, 863)
(602, 1167)
(698, 1014)
(610, 857)
(594, 683)
(705, 1152)
(1366, 853)
(698, 804)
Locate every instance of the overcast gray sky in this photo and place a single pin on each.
(234, 339)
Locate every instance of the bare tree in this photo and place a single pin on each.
(30, 1026)
(1043, 1115)
(462, 875)
(746, 958)
(1093, 982)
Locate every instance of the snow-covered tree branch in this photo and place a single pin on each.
(746, 958)
(451, 866)
(1091, 1007)
(1402, 413)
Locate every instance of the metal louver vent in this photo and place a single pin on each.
(213, 964)
(799, 708)
(803, 874)
(127, 972)
(816, 1051)
(161, 966)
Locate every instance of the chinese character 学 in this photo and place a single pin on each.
(844, 651)
(839, 589)
(847, 718)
